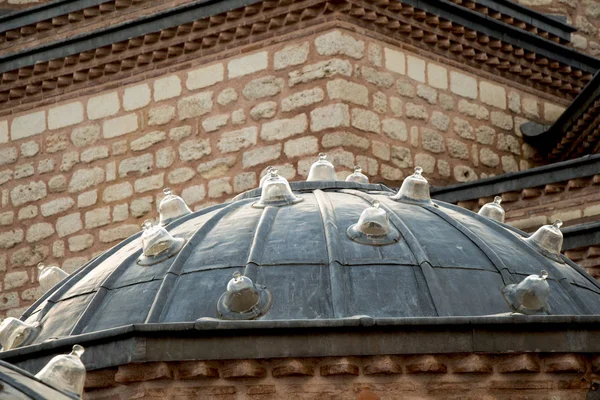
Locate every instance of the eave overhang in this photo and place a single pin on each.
(205, 27)
(359, 336)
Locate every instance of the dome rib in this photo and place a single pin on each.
(334, 265)
(162, 298)
(496, 261)
(428, 274)
(261, 232)
(555, 271)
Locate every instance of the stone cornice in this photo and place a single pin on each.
(197, 29)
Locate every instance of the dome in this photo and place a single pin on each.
(441, 261)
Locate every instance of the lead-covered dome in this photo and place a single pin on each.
(309, 260)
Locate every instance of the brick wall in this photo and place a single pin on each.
(81, 174)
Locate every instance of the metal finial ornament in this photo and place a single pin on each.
(276, 192)
(373, 227)
(16, 333)
(172, 207)
(50, 276)
(264, 178)
(321, 170)
(414, 189)
(357, 176)
(548, 240)
(493, 210)
(244, 299)
(65, 372)
(530, 296)
(158, 244)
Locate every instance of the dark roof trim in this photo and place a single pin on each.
(532, 17)
(582, 235)
(546, 138)
(534, 177)
(44, 12)
(205, 339)
(202, 9)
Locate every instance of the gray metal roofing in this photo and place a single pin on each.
(449, 262)
(17, 384)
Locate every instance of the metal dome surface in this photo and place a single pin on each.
(18, 384)
(447, 262)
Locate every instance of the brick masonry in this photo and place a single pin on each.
(434, 376)
(78, 176)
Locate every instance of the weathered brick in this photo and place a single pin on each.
(103, 106)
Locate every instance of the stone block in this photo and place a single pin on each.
(212, 124)
(301, 99)
(97, 217)
(219, 187)
(180, 132)
(136, 97)
(531, 108)
(493, 95)
(216, 168)
(244, 181)
(502, 120)
(117, 192)
(248, 64)
(433, 141)
(331, 116)
(57, 184)
(165, 157)
(338, 43)
(514, 102)
(94, 153)
(227, 96)
(118, 233)
(415, 68)
(416, 111)
(395, 129)
(320, 70)
(486, 135)
(80, 242)
(238, 117)
(341, 89)
(180, 175)
(380, 102)
(103, 106)
(383, 365)
(69, 159)
(552, 112)
(7, 218)
(23, 171)
(204, 77)
(261, 155)
(509, 143)
(293, 367)
(28, 125)
(291, 55)
(87, 199)
(463, 129)
(265, 86)
(29, 149)
(381, 150)
(27, 193)
(265, 110)
(120, 212)
(395, 61)
(14, 280)
(9, 239)
(68, 224)
(167, 88)
(141, 206)
(463, 85)
(195, 105)
(440, 121)
(193, 194)
(284, 128)
(140, 164)
(27, 212)
(85, 178)
(401, 157)
(194, 149)
(509, 164)
(3, 132)
(234, 141)
(8, 155)
(396, 106)
(427, 93)
(425, 161)
(457, 149)
(437, 76)
(346, 139)
(39, 231)
(488, 157)
(365, 120)
(148, 140)
(302, 146)
(65, 115)
(161, 115)
(154, 182)
(44, 166)
(119, 126)
(405, 88)
(376, 77)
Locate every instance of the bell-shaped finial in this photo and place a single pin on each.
(373, 227)
(549, 239)
(50, 276)
(414, 189)
(357, 176)
(172, 207)
(157, 244)
(15, 333)
(264, 178)
(65, 372)
(276, 191)
(244, 299)
(493, 210)
(321, 170)
(530, 296)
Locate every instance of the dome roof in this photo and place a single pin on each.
(436, 260)
(18, 384)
